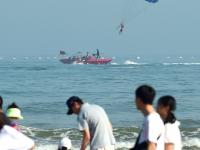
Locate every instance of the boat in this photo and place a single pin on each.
(83, 59)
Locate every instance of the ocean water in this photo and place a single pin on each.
(41, 86)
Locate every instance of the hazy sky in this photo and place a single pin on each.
(43, 27)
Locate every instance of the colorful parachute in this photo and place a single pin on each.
(152, 1)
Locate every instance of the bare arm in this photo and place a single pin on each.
(169, 146)
(32, 147)
(86, 139)
(151, 146)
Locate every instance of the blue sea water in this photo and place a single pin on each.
(41, 86)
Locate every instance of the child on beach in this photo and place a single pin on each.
(165, 107)
(152, 132)
(14, 114)
(65, 144)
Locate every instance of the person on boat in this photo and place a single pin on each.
(87, 54)
(98, 54)
(94, 124)
(166, 107)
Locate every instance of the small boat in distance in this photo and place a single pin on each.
(84, 59)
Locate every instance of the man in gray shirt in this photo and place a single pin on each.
(94, 123)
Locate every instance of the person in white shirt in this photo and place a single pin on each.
(151, 136)
(94, 124)
(165, 107)
(11, 139)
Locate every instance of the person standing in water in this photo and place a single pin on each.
(152, 132)
(94, 124)
(166, 107)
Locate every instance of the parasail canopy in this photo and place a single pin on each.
(152, 1)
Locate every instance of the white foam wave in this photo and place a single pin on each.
(46, 147)
(138, 57)
(119, 145)
(113, 63)
(189, 142)
(125, 139)
(130, 62)
(186, 63)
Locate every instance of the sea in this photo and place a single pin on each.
(41, 85)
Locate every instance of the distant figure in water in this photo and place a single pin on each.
(121, 27)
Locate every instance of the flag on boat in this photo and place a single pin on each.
(62, 52)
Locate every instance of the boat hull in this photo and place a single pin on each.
(89, 61)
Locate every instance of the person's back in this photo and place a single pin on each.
(166, 107)
(11, 139)
(99, 125)
(173, 135)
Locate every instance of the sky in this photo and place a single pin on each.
(43, 27)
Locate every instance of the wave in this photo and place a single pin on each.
(191, 143)
(118, 146)
(130, 62)
(114, 63)
(184, 63)
(48, 139)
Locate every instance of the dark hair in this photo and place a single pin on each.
(1, 102)
(4, 120)
(70, 103)
(146, 93)
(63, 148)
(13, 105)
(72, 99)
(168, 101)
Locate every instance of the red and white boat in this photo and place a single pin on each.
(86, 59)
